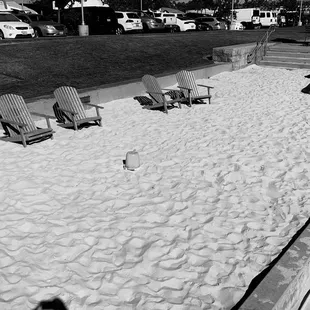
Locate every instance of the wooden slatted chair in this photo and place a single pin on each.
(72, 107)
(157, 95)
(187, 83)
(17, 121)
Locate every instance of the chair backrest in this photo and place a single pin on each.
(68, 99)
(151, 85)
(187, 79)
(14, 108)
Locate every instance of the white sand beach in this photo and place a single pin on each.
(221, 190)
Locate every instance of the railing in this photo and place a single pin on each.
(261, 47)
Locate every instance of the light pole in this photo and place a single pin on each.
(83, 29)
(232, 13)
(140, 5)
(82, 9)
(300, 10)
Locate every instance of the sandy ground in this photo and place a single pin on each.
(221, 190)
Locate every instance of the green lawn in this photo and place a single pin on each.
(36, 67)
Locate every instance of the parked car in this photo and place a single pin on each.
(201, 25)
(169, 19)
(11, 27)
(175, 22)
(128, 21)
(100, 20)
(236, 25)
(150, 23)
(194, 15)
(43, 26)
(185, 24)
(209, 23)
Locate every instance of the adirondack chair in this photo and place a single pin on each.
(17, 122)
(187, 83)
(157, 95)
(72, 107)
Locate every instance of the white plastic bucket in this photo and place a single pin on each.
(132, 160)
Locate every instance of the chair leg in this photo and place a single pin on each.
(165, 106)
(179, 102)
(74, 123)
(48, 122)
(98, 114)
(22, 134)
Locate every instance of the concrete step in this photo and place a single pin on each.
(281, 64)
(298, 48)
(287, 59)
(288, 54)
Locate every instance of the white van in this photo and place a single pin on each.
(268, 18)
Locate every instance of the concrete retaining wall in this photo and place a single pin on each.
(127, 89)
(235, 54)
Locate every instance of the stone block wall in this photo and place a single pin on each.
(236, 54)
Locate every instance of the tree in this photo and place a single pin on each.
(136, 4)
(290, 5)
(223, 7)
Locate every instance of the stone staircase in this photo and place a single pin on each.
(284, 55)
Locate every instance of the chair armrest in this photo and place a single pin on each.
(205, 86)
(168, 89)
(157, 93)
(3, 120)
(68, 111)
(43, 115)
(93, 105)
(182, 87)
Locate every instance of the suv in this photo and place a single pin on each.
(43, 27)
(128, 21)
(149, 23)
(11, 27)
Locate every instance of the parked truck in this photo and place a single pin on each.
(249, 17)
